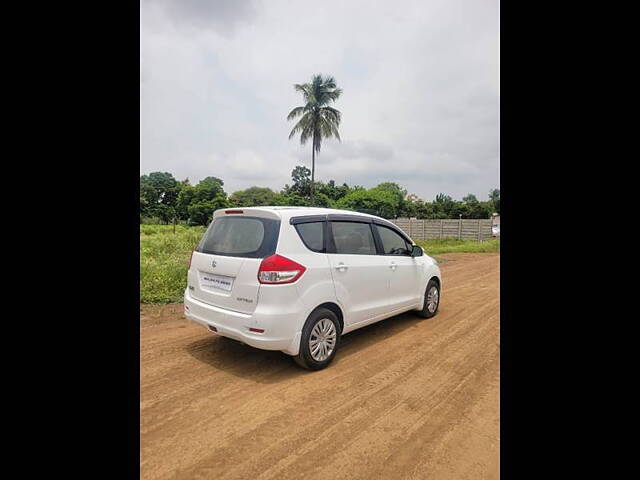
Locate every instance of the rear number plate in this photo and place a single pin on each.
(219, 282)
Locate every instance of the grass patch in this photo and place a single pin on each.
(164, 261)
(453, 245)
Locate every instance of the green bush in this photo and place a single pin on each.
(164, 261)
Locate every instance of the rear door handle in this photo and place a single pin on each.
(341, 267)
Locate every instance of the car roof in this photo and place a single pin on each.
(287, 212)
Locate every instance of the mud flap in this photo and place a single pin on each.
(294, 346)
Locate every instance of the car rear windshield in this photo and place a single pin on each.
(249, 237)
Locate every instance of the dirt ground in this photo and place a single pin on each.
(406, 398)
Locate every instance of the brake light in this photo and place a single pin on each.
(277, 269)
(229, 212)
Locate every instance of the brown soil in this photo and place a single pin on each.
(404, 398)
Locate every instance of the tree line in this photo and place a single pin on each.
(165, 199)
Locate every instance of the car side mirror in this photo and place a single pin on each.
(417, 251)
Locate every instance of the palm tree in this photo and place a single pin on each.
(318, 120)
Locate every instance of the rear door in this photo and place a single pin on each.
(361, 276)
(224, 266)
(405, 269)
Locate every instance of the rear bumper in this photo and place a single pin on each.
(279, 330)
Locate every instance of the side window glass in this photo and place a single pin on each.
(392, 243)
(312, 235)
(353, 238)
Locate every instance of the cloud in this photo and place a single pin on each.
(191, 15)
(420, 103)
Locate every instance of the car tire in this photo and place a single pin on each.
(320, 331)
(428, 307)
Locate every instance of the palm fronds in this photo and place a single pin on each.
(318, 120)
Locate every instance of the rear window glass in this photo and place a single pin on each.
(250, 237)
(312, 235)
(353, 238)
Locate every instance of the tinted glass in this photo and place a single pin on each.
(312, 235)
(353, 238)
(392, 243)
(240, 237)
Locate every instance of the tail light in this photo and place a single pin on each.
(277, 269)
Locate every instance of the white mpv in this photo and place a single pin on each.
(296, 279)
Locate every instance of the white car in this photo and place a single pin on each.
(495, 230)
(296, 279)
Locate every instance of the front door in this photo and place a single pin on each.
(405, 277)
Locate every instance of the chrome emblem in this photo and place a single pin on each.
(213, 264)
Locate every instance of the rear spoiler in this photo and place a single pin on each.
(247, 212)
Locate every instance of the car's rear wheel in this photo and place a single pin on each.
(431, 300)
(319, 341)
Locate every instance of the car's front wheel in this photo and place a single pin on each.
(319, 341)
(431, 300)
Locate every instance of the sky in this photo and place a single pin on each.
(420, 103)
